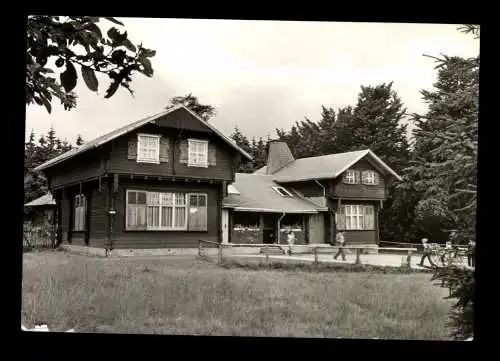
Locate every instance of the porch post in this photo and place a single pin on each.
(261, 227)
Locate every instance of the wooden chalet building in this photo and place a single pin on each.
(156, 183)
(313, 197)
(170, 179)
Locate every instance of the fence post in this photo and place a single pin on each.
(408, 259)
(199, 248)
(358, 261)
(220, 254)
(315, 251)
(266, 251)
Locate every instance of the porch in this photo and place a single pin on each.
(246, 227)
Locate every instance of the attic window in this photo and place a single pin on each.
(283, 192)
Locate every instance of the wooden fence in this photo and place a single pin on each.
(36, 237)
(315, 250)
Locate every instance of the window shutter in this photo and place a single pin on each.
(356, 177)
(212, 151)
(344, 177)
(184, 150)
(368, 217)
(132, 148)
(376, 178)
(364, 177)
(164, 149)
(341, 218)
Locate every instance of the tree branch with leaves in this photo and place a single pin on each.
(77, 42)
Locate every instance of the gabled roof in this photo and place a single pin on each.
(45, 200)
(256, 193)
(325, 166)
(130, 127)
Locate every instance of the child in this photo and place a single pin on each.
(340, 240)
(426, 253)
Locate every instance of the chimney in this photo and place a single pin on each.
(278, 156)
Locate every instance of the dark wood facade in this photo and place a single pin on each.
(338, 193)
(104, 173)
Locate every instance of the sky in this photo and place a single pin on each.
(260, 75)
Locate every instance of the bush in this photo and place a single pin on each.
(460, 282)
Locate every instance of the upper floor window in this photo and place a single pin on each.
(198, 153)
(148, 148)
(350, 176)
(369, 177)
(283, 192)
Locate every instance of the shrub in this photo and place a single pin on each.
(460, 282)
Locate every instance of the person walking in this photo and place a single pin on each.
(340, 241)
(426, 252)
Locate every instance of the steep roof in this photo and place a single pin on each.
(130, 127)
(256, 193)
(325, 166)
(45, 200)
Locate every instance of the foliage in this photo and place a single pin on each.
(191, 102)
(36, 153)
(446, 142)
(445, 167)
(461, 283)
(257, 149)
(71, 42)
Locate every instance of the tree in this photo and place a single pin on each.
(73, 42)
(48, 147)
(242, 141)
(445, 167)
(191, 102)
(79, 140)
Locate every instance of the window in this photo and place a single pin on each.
(283, 192)
(136, 210)
(198, 153)
(148, 148)
(355, 217)
(350, 177)
(165, 211)
(79, 214)
(370, 177)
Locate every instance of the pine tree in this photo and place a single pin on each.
(242, 141)
(79, 140)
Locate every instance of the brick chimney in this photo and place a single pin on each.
(278, 156)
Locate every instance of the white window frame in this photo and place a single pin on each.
(141, 158)
(350, 177)
(161, 206)
(288, 194)
(355, 213)
(369, 177)
(203, 154)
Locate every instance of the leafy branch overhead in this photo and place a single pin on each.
(76, 42)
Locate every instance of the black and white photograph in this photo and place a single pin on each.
(250, 178)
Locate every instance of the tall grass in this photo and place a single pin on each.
(182, 295)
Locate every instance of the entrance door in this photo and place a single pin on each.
(316, 228)
(225, 226)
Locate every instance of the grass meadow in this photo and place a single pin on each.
(187, 295)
